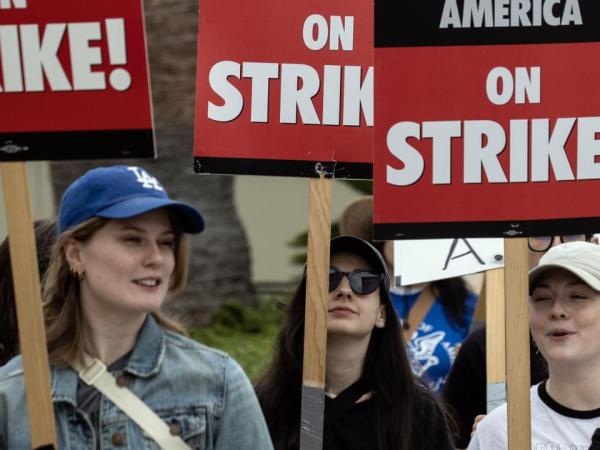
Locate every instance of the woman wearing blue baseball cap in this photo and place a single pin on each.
(123, 374)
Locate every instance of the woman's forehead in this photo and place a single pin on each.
(158, 218)
(558, 276)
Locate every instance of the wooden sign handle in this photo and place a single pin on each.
(26, 280)
(315, 325)
(517, 343)
(495, 337)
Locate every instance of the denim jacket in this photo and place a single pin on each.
(200, 392)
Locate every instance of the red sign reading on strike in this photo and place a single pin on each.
(497, 134)
(285, 88)
(73, 80)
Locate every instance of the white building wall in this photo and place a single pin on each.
(274, 210)
(40, 193)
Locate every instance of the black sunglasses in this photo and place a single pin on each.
(362, 282)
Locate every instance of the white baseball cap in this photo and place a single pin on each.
(580, 258)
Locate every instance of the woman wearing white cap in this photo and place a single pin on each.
(123, 374)
(564, 317)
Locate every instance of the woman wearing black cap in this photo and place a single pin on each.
(564, 318)
(123, 374)
(373, 401)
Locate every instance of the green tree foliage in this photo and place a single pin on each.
(244, 332)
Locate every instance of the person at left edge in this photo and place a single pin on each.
(121, 252)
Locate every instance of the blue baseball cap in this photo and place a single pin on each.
(120, 192)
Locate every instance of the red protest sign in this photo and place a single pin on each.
(282, 86)
(74, 80)
(485, 123)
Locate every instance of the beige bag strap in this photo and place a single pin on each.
(94, 373)
(418, 312)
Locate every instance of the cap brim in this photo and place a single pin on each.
(356, 245)
(190, 219)
(537, 272)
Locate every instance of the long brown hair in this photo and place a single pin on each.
(45, 235)
(61, 293)
(399, 398)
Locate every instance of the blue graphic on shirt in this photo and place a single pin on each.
(435, 343)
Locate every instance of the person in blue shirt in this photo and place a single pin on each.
(435, 341)
(120, 254)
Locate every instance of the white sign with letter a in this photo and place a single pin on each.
(422, 260)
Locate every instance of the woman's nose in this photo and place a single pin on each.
(153, 254)
(343, 289)
(558, 311)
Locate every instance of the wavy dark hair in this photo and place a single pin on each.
(45, 236)
(453, 293)
(400, 400)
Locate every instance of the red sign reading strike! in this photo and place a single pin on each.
(73, 80)
(285, 88)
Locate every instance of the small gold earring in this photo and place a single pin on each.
(79, 274)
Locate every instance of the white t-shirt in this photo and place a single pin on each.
(553, 426)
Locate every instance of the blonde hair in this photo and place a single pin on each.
(61, 293)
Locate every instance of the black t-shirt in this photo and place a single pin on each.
(465, 389)
(89, 398)
(351, 426)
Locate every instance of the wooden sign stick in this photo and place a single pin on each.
(517, 343)
(315, 325)
(495, 338)
(26, 280)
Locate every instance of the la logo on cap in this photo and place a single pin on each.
(145, 179)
